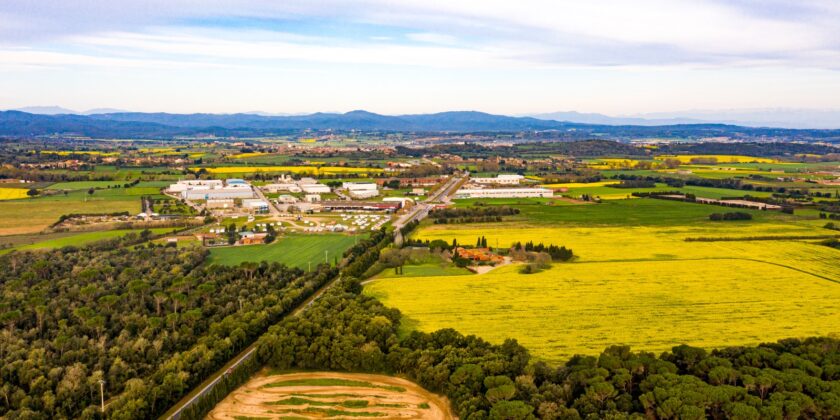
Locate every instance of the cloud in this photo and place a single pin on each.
(538, 34)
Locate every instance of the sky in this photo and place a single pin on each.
(618, 57)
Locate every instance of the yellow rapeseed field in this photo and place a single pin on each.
(644, 286)
(313, 170)
(248, 155)
(720, 158)
(78, 152)
(580, 184)
(581, 308)
(12, 193)
(612, 163)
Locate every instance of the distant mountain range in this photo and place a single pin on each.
(57, 110)
(759, 117)
(163, 125)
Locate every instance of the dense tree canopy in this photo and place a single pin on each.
(151, 321)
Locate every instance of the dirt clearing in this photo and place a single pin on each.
(317, 395)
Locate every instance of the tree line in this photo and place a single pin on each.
(473, 214)
(736, 215)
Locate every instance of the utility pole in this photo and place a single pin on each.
(102, 394)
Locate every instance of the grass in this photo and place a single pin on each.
(293, 250)
(36, 214)
(620, 212)
(12, 193)
(81, 239)
(426, 270)
(84, 185)
(304, 401)
(635, 281)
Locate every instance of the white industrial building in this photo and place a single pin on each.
(273, 188)
(315, 188)
(361, 190)
(217, 193)
(224, 203)
(503, 193)
(189, 184)
(255, 205)
(501, 179)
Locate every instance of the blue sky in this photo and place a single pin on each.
(412, 56)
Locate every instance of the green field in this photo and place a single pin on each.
(35, 214)
(616, 212)
(293, 250)
(80, 239)
(635, 280)
(425, 270)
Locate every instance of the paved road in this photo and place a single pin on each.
(271, 207)
(421, 210)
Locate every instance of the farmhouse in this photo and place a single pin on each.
(503, 192)
(479, 255)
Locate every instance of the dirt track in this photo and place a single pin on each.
(255, 400)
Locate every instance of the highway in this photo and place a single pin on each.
(422, 209)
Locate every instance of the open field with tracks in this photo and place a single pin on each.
(293, 250)
(313, 395)
(35, 214)
(636, 280)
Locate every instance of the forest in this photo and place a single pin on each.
(151, 321)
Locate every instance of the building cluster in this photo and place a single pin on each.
(501, 179)
(220, 195)
(487, 188)
(212, 189)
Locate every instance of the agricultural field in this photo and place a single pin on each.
(635, 280)
(312, 170)
(314, 395)
(718, 158)
(12, 193)
(79, 239)
(83, 185)
(582, 308)
(293, 250)
(33, 215)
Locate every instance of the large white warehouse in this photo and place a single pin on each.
(503, 193)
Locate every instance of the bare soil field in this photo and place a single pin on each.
(317, 395)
